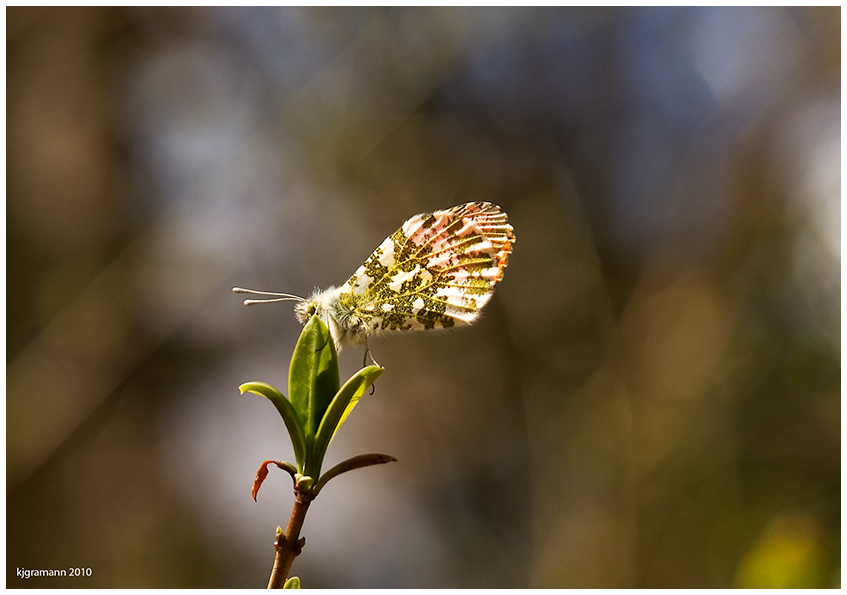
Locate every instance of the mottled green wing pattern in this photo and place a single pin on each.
(436, 271)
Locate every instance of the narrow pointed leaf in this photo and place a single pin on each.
(338, 409)
(350, 464)
(289, 416)
(372, 376)
(262, 474)
(313, 378)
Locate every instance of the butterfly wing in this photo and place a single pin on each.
(436, 271)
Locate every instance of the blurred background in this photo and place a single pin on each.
(651, 399)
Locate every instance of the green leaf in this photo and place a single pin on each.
(292, 583)
(339, 409)
(372, 376)
(313, 378)
(289, 416)
(350, 464)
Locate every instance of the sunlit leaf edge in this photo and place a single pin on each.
(288, 414)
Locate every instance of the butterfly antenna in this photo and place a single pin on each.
(278, 297)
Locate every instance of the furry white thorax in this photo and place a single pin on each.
(344, 326)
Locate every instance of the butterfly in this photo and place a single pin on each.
(437, 271)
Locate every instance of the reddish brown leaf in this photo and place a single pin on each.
(261, 474)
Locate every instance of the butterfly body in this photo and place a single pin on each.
(338, 313)
(437, 271)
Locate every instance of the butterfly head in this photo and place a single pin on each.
(306, 309)
(330, 306)
(344, 325)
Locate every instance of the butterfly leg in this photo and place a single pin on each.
(368, 354)
(324, 345)
(365, 363)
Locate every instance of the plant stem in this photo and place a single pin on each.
(288, 545)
